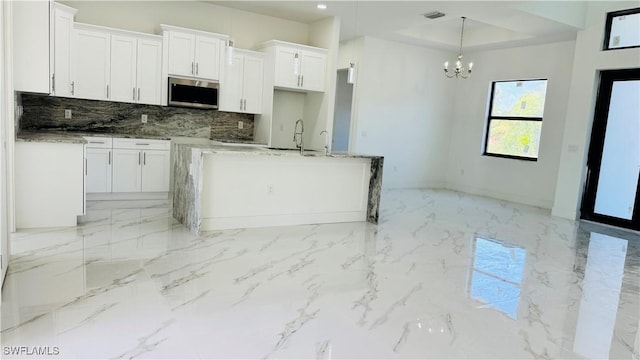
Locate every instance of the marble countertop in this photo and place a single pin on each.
(50, 137)
(263, 150)
(74, 137)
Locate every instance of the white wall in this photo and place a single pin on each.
(521, 181)
(402, 110)
(588, 60)
(247, 29)
(318, 107)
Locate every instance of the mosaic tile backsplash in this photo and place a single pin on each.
(47, 113)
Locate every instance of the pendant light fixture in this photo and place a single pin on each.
(351, 72)
(459, 71)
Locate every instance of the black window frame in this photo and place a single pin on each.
(607, 31)
(513, 118)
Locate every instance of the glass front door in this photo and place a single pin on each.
(612, 188)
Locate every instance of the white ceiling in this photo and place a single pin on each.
(489, 25)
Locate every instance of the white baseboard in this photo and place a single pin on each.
(516, 198)
(209, 224)
(128, 196)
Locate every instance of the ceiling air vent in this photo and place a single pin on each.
(433, 15)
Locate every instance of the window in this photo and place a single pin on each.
(621, 30)
(515, 119)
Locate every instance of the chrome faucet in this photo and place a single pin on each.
(326, 142)
(296, 133)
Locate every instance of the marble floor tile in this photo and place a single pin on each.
(443, 275)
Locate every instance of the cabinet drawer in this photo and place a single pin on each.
(98, 142)
(142, 144)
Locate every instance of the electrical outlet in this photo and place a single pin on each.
(144, 118)
(270, 189)
(240, 125)
(67, 113)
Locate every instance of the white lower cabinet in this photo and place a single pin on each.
(126, 170)
(155, 171)
(125, 165)
(140, 165)
(49, 184)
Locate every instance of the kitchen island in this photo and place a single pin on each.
(227, 187)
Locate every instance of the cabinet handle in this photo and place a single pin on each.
(298, 80)
(301, 80)
(86, 170)
(53, 82)
(138, 158)
(192, 65)
(144, 158)
(134, 94)
(138, 94)
(146, 144)
(109, 157)
(245, 104)
(196, 68)
(240, 104)
(107, 91)
(96, 142)
(73, 88)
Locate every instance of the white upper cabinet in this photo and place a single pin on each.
(123, 68)
(91, 63)
(149, 71)
(298, 67)
(243, 79)
(31, 46)
(42, 47)
(116, 65)
(61, 37)
(182, 52)
(136, 69)
(207, 59)
(194, 53)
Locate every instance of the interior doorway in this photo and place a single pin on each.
(612, 192)
(342, 113)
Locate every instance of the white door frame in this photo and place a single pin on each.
(7, 137)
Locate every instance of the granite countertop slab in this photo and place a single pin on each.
(265, 151)
(76, 136)
(50, 137)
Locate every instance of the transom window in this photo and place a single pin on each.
(622, 29)
(515, 116)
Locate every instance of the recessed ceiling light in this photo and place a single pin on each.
(322, 6)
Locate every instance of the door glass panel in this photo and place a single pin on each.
(618, 180)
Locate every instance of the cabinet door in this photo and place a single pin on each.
(207, 57)
(181, 53)
(252, 86)
(31, 46)
(149, 72)
(91, 65)
(313, 71)
(155, 171)
(126, 170)
(285, 67)
(231, 95)
(61, 66)
(123, 68)
(98, 170)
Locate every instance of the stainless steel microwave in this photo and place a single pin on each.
(193, 93)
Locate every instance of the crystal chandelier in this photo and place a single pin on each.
(459, 71)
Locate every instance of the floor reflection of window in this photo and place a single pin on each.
(497, 275)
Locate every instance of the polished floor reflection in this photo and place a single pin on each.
(444, 275)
